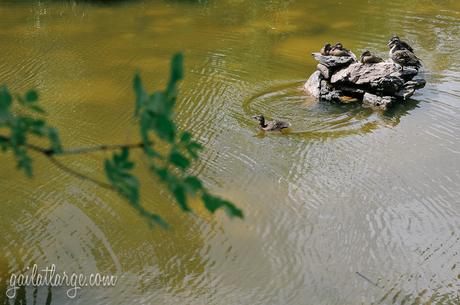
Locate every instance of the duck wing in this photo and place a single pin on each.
(406, 46)
(276, 125)
(406, 58)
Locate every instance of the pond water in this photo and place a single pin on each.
(351, 207)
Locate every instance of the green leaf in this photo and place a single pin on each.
(53, 136)
(165, 128)
(121, 179)
(232, 210)
(153, 219)
(37, 127)
(141, 95)
(24, 161)
(120, 159)
(161, 172)
(179, 193)
(31, 96)
(213, 203)
(158, 104)
(5, 100)
(18, 132)
(177, 73)
(156, 219)
(193, 149)
(186, 137)
(4, 144)
(179, 160)
(145, 123)
(193, 183)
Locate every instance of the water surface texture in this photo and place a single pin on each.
(351, 207)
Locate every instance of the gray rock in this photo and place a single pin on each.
(377, 102)
(364, 74)
(351, 90)
(329, 93)
(416, 84)
(333, 62)
(407, 74)
(387, 85)
(325, 71)
(312, 85)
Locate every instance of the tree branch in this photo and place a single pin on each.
(51, 153)
(77, 174)
(80, 150)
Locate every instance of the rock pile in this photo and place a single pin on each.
(344, 79)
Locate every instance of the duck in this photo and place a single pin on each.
(394, 39)
(326, 49)
(271, 125)
(368, 58)
(339, 50)
(403, 57)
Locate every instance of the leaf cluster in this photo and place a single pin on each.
(155, 113)
(22, 118)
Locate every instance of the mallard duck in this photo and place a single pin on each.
(403, 57)
(368, 58)
(270, 125)
(403, 44)
(326, 49)
(339, 50)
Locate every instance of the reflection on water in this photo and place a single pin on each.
(346, 191)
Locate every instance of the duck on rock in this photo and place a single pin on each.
(402, 56)
(339, 50)
(271, 125)
(368, 58)
(395, 39)
(326, 49)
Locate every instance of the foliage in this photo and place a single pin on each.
(19, 125)
(155, 115)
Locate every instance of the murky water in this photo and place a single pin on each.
(351, 207)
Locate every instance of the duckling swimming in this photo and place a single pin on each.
(326, 49)
(368, 58)
(403, 57)
(339, 50)
(404, 45)
(271, 125)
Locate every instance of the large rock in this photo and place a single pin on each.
(364, 74)
(325, 71)
(329, 93)
(312, 84)
(334, 62)
(343, 79)
(387, 85)
(377, 102)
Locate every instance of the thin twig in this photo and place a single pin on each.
(77, 174)
(104, 147)
(80, 150)
(51, 153)
(367, 279)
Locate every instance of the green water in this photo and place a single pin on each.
(348, 190)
